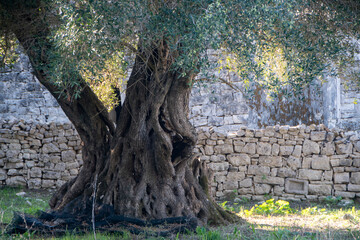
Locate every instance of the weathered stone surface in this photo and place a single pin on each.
(258, 170)
(355, 178)
(50, 148)
(310, 147)
(324, 190)
(16, 181)
(297, 151)
(51, 175)
(224, 149)
(328, 149)
(275, 149)
(221, 166)
(238, 159)
(263, 148)
(47, 183)
(249, 148)
(269, 180)
(34, 183)
(286, 172)
(344, 148)
(286, 150)
(235, 176)
(261, 189)
(296, 186)
(68, 156)
(354, 187)
(293, 162)
(246, 183)
(318, 136)
(341, 177)
(36, 172)
(270, 161)
(310, 174)
(345, 194)
(320, 163)
(3, 174)
(357, 146)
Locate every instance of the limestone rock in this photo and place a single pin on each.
(320, 163)
(258, 170)
(50, 148)
(355, 178)
(246, 183)
(317, 135)
(286, 150)
(344, 148)
(270, 161)
(261, 189)
(68, 156)
(324, 190)
(293, 162)
(310, 147)
(310, 174)
(239, 159)
(263, 148)
(342, 177)
(16, 181)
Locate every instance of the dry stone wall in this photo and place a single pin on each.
(293, 163)
(38, 155)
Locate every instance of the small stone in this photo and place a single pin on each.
(341, 177)
(310, 147)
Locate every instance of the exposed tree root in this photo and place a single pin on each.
(57, 224)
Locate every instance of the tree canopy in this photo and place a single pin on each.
(281, 45)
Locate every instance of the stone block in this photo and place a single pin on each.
(47, 183)
(309, 174)
(278, 191)
(328, 149)
(209, 150)
(35, 172)
(296, 186)
(244, 191)
(345, 162)
(68, 156)
(224, 149)
(286, 150)
(344, 148)
(221, 166)
(320, 163)
(341, 177)
(239, 159)
(324, 190)
(345, 194)
(50, 148)
(261, 189)
(34, 183)
(11, 165)
(293, 162)
(340, 187)
(231, 185)
(258, 170)
(354, 187)
(235, 176)
(263, 148)
(269, 180)
(297, 151)
(246, 183)
(51, 175)
(3, 174)
(318, 135)
(310, 147)
(270, 161)
(328, 175)
(357, 146)
(249, 148)
(355, 178)
(275, 149)
(286, 172)
(15, 181)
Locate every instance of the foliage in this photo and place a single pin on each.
(270, 207)
(313, 210)
(282, 46)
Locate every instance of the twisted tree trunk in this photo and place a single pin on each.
(144, 167)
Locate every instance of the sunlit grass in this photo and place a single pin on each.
(297, 222)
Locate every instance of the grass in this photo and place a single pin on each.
(271, 220)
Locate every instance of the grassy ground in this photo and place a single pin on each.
(271, 220)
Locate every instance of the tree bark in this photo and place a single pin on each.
(145, 167)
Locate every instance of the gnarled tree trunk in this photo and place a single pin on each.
(144, 167)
